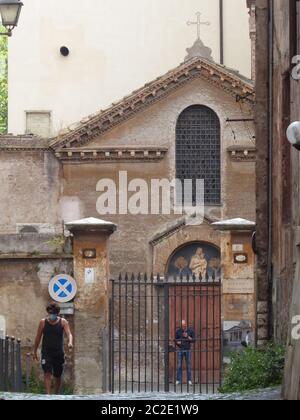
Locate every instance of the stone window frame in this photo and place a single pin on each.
(40, 228)
(39, 111)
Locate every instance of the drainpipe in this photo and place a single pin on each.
(270, 181)
(221, 8)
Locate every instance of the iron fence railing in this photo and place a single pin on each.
(12, 376)
(146, 315)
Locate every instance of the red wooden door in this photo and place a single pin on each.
(200, 307)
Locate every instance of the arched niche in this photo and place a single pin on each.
(195, 258)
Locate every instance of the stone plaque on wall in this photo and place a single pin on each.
(89, 275)
(237, 247)
(237, 307)
(238, 286)
(241, 258)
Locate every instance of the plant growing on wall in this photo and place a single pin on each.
(3, 84)
(57, 243)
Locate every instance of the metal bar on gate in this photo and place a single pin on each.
(126, 334)
(207, 336)
(6, 364)
(175, 330)
(196, 338)
(214, 326)
(158, 337)
(145, 331)
(181, 318)
(220, 335)
(27, 373)
(132, 334)
(12, 364)
(188, 320)
(167, 334)
(201, 332)
(1, 364)
(120, 333)
(152, 332)
(18, 367)
(139, 332)
(110, 345)
(113, 340)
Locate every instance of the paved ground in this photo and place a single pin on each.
(265, 395)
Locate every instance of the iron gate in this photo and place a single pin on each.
(10, 365)
(146, 313)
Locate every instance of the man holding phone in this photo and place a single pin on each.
(185, 337)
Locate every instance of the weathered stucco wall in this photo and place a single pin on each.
(283, 236)
(262, 167)
(281, 256)
(91, 317)
(24, 293)
(276, 262)
(27, 263)
(239, 291)
(150, 36)
(30, 188)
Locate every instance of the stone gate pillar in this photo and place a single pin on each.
(238, 284)
(91, 271)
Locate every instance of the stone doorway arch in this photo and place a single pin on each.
(165, 245)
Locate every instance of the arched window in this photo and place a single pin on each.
(198, 142)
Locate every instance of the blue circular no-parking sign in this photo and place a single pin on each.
(62, 288)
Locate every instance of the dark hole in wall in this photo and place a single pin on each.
(29, 229)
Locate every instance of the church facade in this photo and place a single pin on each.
(152, 134)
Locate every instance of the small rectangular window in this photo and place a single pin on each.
(38, 123)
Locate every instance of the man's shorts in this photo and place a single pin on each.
(53, 364)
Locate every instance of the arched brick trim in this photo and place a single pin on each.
(163, 250)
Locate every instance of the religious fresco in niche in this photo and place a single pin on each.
(199, 259)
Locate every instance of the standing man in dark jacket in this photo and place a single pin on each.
(52, 330)
(185, 337)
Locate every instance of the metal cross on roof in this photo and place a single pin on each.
(198, 23)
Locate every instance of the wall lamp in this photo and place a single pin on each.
(293, 134)
(10, 12)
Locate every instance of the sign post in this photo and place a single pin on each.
(62, 288)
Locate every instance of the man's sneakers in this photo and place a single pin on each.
(190, 383)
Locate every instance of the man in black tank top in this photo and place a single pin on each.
(52, 330)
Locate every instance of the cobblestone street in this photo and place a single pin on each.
(265, 395)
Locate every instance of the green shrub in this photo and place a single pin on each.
(254, 369)
(36, 385)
